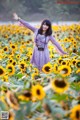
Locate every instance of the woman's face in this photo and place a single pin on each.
(45, 27)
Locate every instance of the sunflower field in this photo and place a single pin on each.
(28, 94)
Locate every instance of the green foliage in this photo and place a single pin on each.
(45, 7)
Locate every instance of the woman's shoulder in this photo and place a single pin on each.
(36, 31)
(50, 36)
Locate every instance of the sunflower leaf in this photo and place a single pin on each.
(19, 115)
(2, 106)
(59, 97)
(35, 106)
(19, 75)
(75, 86)
(28, 108)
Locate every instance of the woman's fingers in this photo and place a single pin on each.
(15, 16)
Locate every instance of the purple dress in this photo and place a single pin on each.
(39, 58)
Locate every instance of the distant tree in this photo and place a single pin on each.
(1, 7)
(52, 8)
(48, 8)
(33, 6)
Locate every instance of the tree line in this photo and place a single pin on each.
(32, 9)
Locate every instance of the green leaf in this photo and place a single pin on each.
(59, 97)
(2, 106)
(75, 86)
(19, 115)
(58, 110)
(35, 106)
(19, 75)
(28, 107)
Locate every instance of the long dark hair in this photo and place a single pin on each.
(49, 30)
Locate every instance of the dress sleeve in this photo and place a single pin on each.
(57, 45)
(26, 24)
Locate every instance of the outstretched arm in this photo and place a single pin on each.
(16, 17)
(57, 45)
(26, 24)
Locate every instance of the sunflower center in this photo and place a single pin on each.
(14, 63)
(28, 59)
(63, 63)
(10, 68)
(37, 76)
(56, 68)
(74, 62)
(28, 94)
(47, 68)
(13, 46)
(59, 83)
(77, 114)
(18, 56)
(5, 49)
(74, 50)
(65, 70)
(60, 61)
(10, 60)
(22, 66)
(78, 64)
(38, 92)
(1, 71)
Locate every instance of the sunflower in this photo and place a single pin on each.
(74, 50)
(38, 92)
(78, 71)
(12, 100)
(74, 62)
(11, 60)
(25, 96)
(35, 75)
(22, 42)
(22, 48)
(55, 68)
(11, 69)
(29, 49)
(23, 71)
(69, 63)
(13, 47)
(60, 60)
(64, 70)
(11, 55)
(28, 58)
(2, 71)
(75, 113)
(78, 64)
(18, 56)
(36, 70)
(51, 55)
(5, 78)
(59, 85)
(64, 62)
(29, 53)
(5, 49)
(22, 65)
(47, 68)
(14, 63)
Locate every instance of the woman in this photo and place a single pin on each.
(43, 35)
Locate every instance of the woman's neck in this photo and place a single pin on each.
(43, 32)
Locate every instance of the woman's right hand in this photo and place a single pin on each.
(15, 16)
